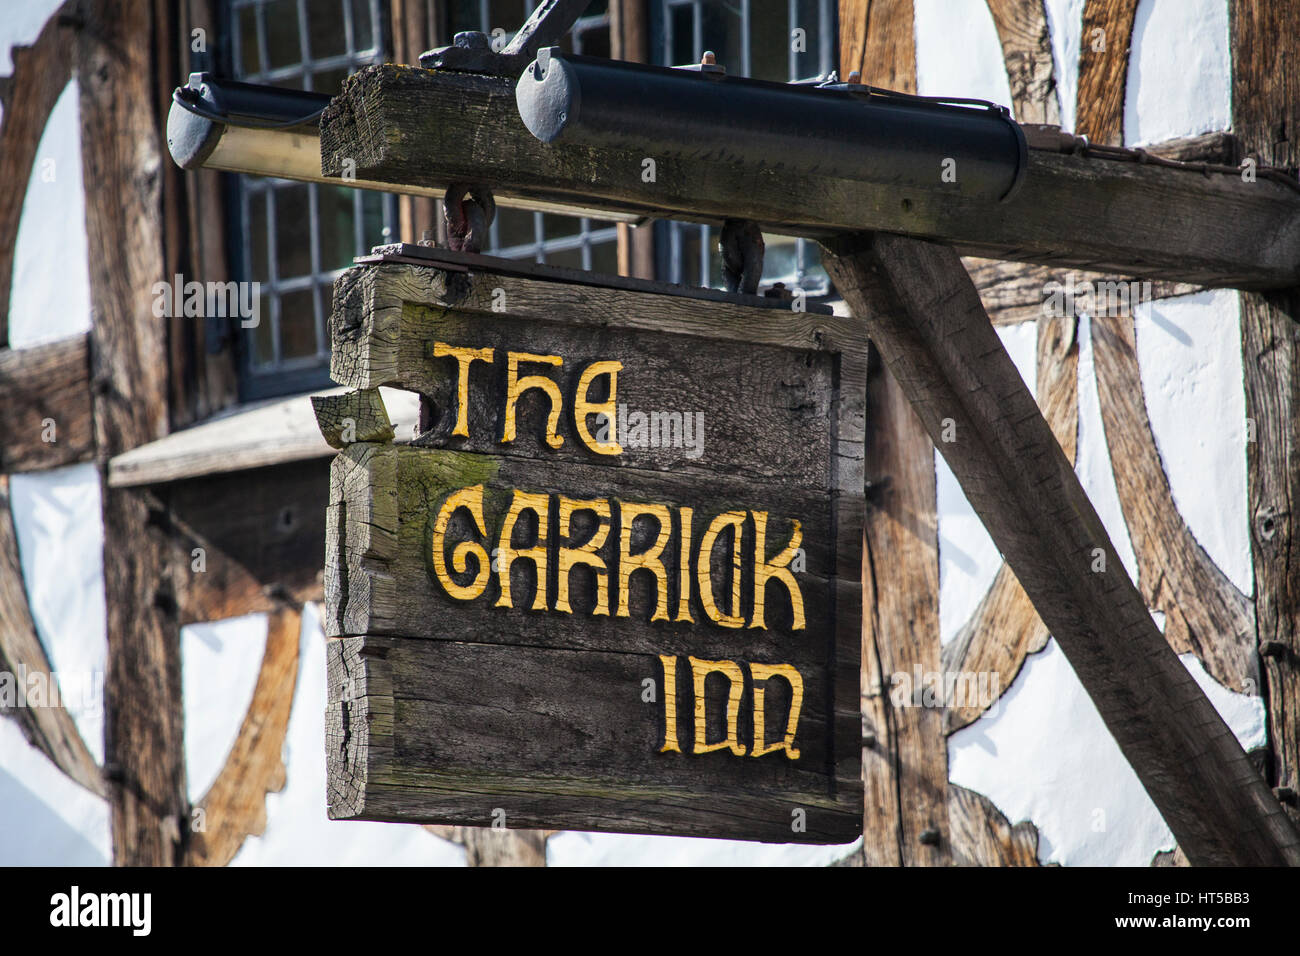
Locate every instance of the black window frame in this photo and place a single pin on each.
(671, 237)
(259, 380)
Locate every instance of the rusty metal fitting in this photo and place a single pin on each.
(741, 245)
(468, 210)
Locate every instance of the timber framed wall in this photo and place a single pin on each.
(110, 393)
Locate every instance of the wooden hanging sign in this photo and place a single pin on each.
(615, 583)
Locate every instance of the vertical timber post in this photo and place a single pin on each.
(1266, 118)
(905, 753)
(925, 315)
(122, 156)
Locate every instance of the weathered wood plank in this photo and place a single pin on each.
(45, 406)
(383, 498)
(121, 153)
(429, 129)
(982, 836)
(663, 415)
(433, 728)
(1014, 292)
(877, 40)
(1265, 103)
(904, 754)
(1027, 51)
(923, 311)
(454, 552)
(497, 846)
(353, 416)
(264, 435)
(1103, 67)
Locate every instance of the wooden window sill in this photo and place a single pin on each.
(249, 436)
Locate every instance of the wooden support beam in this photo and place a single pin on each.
(1027, 51)
(877, 39)
(1103, 67)
(904, 752)
(923, 312)
(982, 836)
(45, 406)
(1266, 115)
(426, 128)
(905, 755)
(122, 154)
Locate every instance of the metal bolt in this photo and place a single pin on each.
(708, 59)
(855, 77)
(779, 291)
(472, 40)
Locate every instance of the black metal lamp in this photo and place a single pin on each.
(846, 130)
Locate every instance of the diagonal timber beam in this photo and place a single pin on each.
(925, 316)
(413, 128)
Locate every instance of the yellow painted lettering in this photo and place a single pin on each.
(649, 559)
(778, 568)
(761, 672)
(701, 670)
(670, 705)
(584, 553)
(507, 553)
(471, 498)
(516, 386)
(704, 570)
(684, 569)
(582, 407)
(464, 358)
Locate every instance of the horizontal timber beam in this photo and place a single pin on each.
(419, 128)
(924, 314)
(45, 406)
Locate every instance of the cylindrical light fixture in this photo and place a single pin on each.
(269, 131)
(848, 131)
